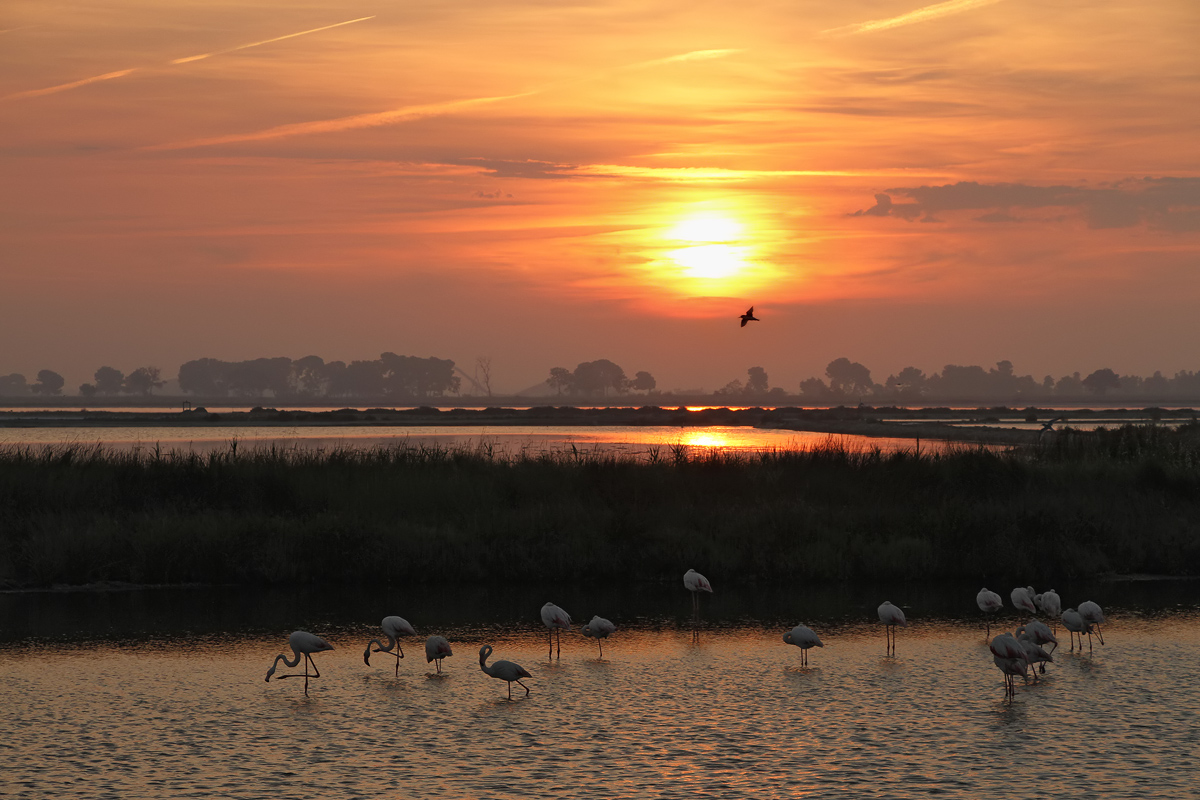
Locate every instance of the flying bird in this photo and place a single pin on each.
(555, 619)
(303, 644)
(891, 616)
(503, 670)
(599, 628)
(393, 629)
(803, 637)
(437, 648)
(749, 317)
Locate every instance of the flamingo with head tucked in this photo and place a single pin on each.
(555, 620)
(437, 648)
(989, 603)
(393, 629)
(503, 670)
(1022, 598)
(1051, 605)
(696, 583)
(891, 616)
(805, 638)
(1076, 626)
(599, 629)
(303, 644)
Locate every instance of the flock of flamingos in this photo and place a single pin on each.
(1014, 653)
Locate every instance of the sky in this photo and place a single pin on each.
(545, 183)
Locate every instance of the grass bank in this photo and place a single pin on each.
(1123, 500)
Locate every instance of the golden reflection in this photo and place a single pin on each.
(704, 438)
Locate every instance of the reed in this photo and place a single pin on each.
(1124, 500)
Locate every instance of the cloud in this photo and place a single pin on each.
(268, 41)
(924, 14)
(62, 87)
(1169, 203)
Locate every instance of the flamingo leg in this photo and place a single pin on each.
(601, 646)
(558, 639)
(550, 639)
(1100, 633)
(523, 686)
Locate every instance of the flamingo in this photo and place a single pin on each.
(503, 670)
(1093, 615)
(1033, 651)
(599, 628)
(1051, 604)
(803, 637)
(1010, 667)
(891, 616)
(437, 648)
(393, 629)
(303, 644)
(1040, 633)
(555, 619)
(1073, 621)
(989, 603)
(696, 583)
(1022, 598)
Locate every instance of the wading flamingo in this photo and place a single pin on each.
(1010, 667)
(1034, 653)
(555, 619)
(1051, 606)
(1022, 598)
(696, 583)
(503, 670)
(891, 616)
(1093, 615)
(989, 603)
(803, 637)
(437, 648)
(1076, 626)
(599, 628)
(1040, 633)
(303, 644)
(393, 629)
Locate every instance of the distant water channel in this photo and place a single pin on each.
(160, 693)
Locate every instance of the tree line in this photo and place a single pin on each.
(597, 379)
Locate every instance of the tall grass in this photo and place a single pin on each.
(1125, 500)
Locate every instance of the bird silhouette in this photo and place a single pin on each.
(599, 628)
(803, 637)
(749, 317)
(1022, 598)
(437, 648)
(989, 603)
(891, 616)
(303, 644)
(555, 619)
(393, 629)
(1093, 615)
(696, 583)
(1075, 624)
(1040, 633)
(503, 670)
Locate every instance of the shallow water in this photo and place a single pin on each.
(172, 712)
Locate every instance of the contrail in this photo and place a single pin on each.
(374, 119)
(342, 123)
(268, 41)
(62, 87)
(919, 15)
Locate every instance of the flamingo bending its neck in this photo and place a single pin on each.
(303, 644)
(503, 670)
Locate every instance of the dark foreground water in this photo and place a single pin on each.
(160, 693)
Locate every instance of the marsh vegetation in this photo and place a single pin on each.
(1080, 504)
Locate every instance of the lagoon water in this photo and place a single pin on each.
(160, 693)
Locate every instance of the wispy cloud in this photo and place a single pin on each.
(919, 15)
(694, 55)
(268, 41)
(62, 87)
(371, 120)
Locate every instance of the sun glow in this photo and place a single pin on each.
(713, 250)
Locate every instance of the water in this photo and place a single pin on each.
(160, 693)
(624, 439)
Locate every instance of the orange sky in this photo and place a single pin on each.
(549, 183)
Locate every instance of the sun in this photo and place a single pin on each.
(712, 247)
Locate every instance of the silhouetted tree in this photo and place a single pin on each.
(734, 388)
(143, 380)
(48, 382)
(411, 376)
(484, 365)
(207, 377)
(87, 390)
(849, 378)
(560, 379)
(1069, 386)
(13, 385)
(597, 377)
(109, 380)
(756, 381)
(1100, 381)
(1157, 385)
(643, 382)
(308, 375)
(815, 390)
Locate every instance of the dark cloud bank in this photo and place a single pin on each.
(1168, 203)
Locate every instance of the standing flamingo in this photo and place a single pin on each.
(1010, 667)
(1051, 605)
(503, 670)
(303, 644)
(891, 616)
(1022, 598)
(1034, 653)
(1076, 626)
(803, 637)
(393, 629)
(599, 628)
(437, 648)
(1040, 633)
(1093, 615)
(989, 603)
(696, 583)
(555, 619)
